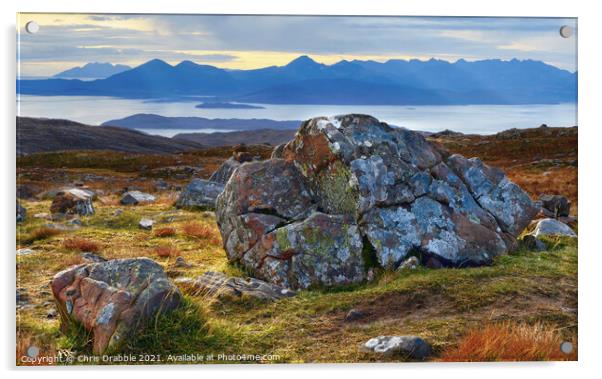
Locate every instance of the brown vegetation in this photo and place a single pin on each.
(81, 244)
(165, 232)
(41, 233)
(203, 232)
(509, 342)
(167, 251)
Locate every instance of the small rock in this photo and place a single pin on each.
(21, 213)
(118, 212)
(25, 251)
(52, 313)
(92, 258)
(146, 224)
(136, 197)
(371, 275)
(555, 205)
(72, 201)
(411, 263)
(42, 215)
(552, 227)
(354, 315)
(410, 346)
(181, 262)
(533, 243)
(75, 221)
(220, 285)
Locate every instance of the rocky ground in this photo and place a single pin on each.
(526, 289)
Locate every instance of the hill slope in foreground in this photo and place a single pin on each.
(38, 135)
(522, 294)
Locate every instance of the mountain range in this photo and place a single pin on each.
(93, 70)
(305, 81)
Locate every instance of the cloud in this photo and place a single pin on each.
(255, 41)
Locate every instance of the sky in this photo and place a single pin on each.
(244, 42)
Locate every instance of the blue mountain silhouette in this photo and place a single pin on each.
(304, 81)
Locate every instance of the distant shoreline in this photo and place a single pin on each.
(227, 106)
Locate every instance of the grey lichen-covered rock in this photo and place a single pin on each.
(224, 172)
(113, 299)
(218, 284)
(136, 197)
(555, 206)
(350, 192)
(405, 346)
(200, 194)
(552, 227)
(21, 213)
(72, 201)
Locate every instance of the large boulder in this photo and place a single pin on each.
(73, 201)
(225, 171)
(113, 299)
(199, 193)
(351, 192)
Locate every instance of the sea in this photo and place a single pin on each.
(468, 119)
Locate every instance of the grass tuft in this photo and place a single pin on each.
(509, 342)
(167, 251)
(41, 233)
(165, 232)
(202, 232)
(81, 244)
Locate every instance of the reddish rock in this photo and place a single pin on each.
(112, 299)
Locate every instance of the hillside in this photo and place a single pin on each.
(36, 135)
(304, 81)
(255, 137)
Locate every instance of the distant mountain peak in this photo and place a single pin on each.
(301, 61)
(155, 63)
(96, 70)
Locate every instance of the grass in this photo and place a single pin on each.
(510, 342)
(441, 306)
(522, 295)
